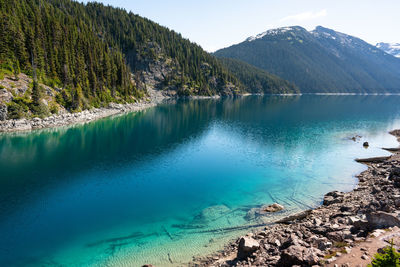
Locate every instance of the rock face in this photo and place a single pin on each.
(247, 246)
(3, 112)
(5, 95)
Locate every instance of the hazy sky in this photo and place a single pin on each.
(215, 24)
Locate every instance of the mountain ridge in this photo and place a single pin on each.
(390, 48)
(319, 61)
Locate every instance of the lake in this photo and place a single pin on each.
(178, 180)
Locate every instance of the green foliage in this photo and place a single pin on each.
(37, 107)
(389, 258)
(18, 108)
(144, 42)
(257, 80)
(53, 108)
(91, 50)
(57, 42)
(36, 93)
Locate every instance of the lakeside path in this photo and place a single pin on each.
(346, 230)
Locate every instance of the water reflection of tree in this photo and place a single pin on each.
(33, 160)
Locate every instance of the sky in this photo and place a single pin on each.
(216, 24)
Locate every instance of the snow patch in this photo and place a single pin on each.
(390, 48)
(272, 32)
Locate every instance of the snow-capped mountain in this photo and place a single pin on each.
(270, 32)
(322, 60)
(393, 49)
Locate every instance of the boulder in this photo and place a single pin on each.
(333, 197)
(329, 200)
(394, 173)
(382, 219)
(247, 246)
(358, 223)
(299, 255)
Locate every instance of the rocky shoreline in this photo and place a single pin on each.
(67, 118)
(322, 236)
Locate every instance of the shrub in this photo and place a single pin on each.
(53, 108)
(389, 258)
(16, 111)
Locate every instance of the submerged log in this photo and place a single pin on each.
(373, 160)
(234, 228)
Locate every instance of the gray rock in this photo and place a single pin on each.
(247, 246)
(299, 255)
(332, 198)
(382, 219)
(5, 95)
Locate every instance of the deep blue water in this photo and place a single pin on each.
(172, 182)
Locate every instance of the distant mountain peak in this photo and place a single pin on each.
(321, 60)
(273, 32)
(390, 48)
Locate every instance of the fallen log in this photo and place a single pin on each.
(391, 149)
(373, 160)
(297, 216)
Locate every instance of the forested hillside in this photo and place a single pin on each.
(322, 60)
(94, 54)
(257, 80)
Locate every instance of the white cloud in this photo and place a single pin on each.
(306, 16)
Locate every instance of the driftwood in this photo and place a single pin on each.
(392, 149)
(373, 160)
(297, 216)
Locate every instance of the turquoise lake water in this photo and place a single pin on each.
(176, 181)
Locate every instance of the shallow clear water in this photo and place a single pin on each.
(177, 180)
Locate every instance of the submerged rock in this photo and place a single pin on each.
(272, 208)
(255, 212)
(212, 213)
(247, 246)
